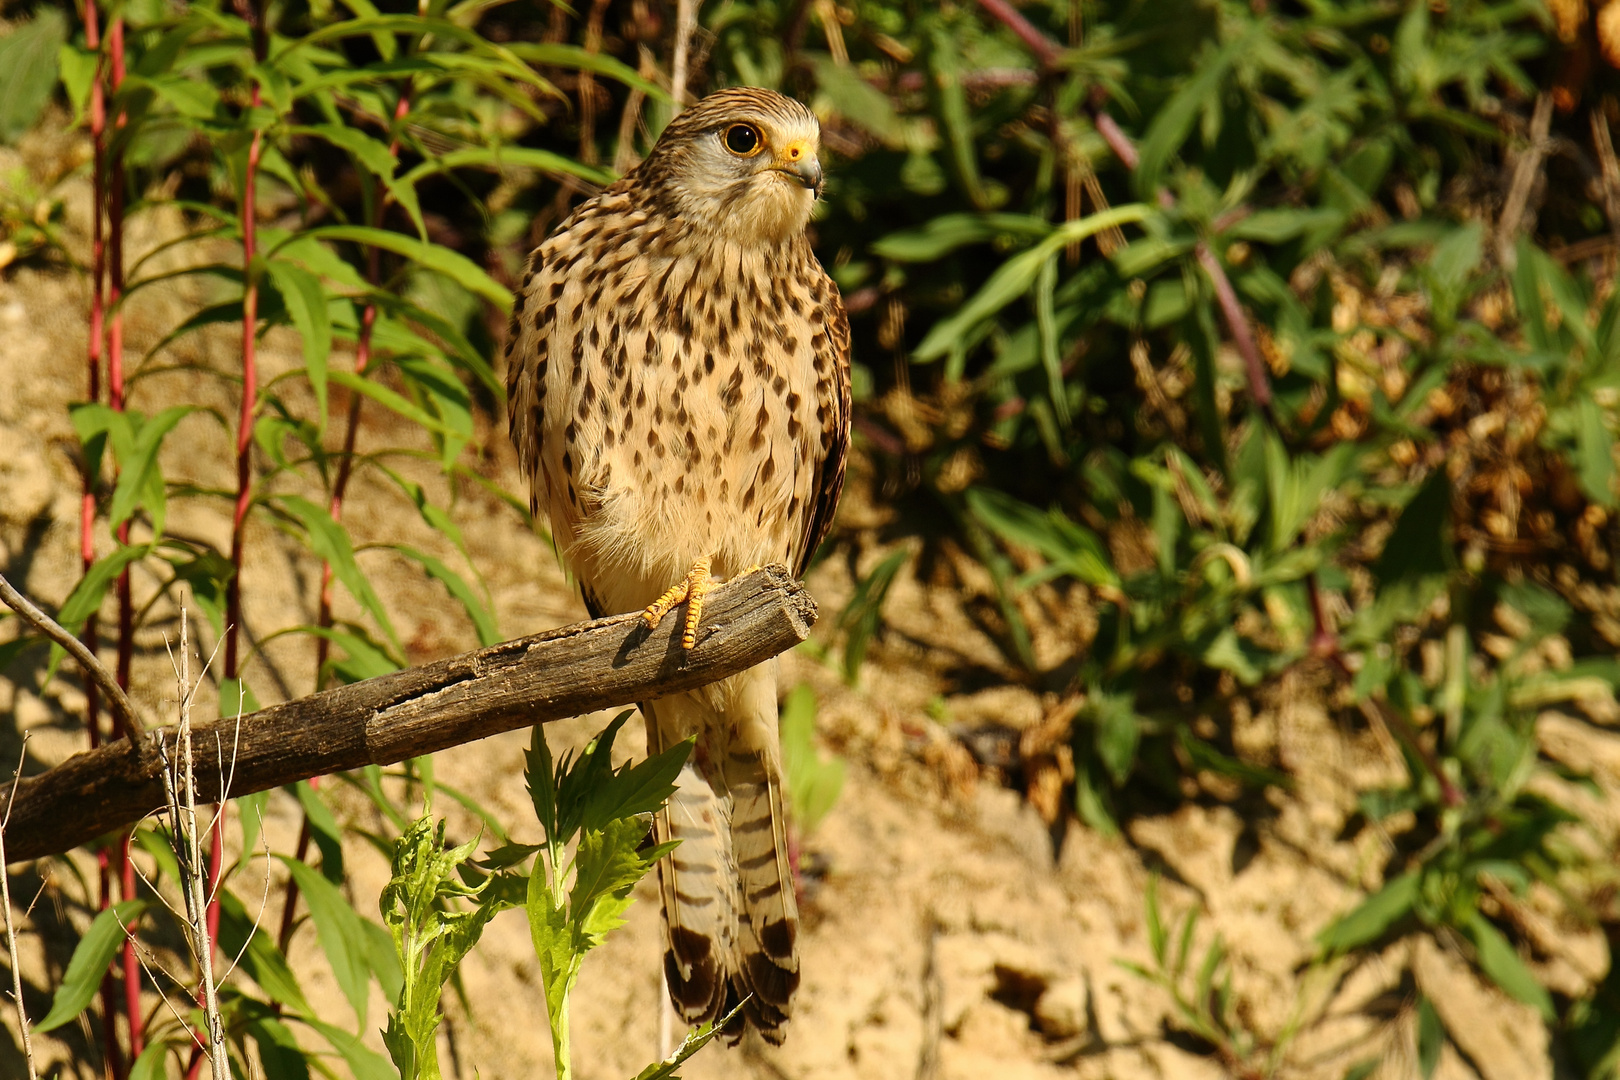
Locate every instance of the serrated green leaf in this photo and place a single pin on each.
(606, 867)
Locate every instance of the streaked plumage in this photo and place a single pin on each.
(678, 373)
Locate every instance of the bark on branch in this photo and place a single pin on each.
(534, 680)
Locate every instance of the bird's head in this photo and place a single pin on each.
(745, 160)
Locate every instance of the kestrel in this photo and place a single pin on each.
(678, 380)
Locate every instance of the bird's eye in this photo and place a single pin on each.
(742, 139)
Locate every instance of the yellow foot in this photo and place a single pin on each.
(691, 589)
(697, 584)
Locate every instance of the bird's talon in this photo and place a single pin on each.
(691, 590)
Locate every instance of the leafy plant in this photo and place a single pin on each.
(1202, 999)
(431, 936)
(813, 784)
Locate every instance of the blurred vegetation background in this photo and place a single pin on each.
(1231, 342)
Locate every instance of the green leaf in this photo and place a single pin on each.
(337, 928)
(364, 658)
(1158, 939)
(944, 234)
(1431, 1037)
(378, 160)
(813, 784)
(564, 55)
(539, 777)
(695, 1040)
(1174, 121)
(483, 619)
(863, 614)
(28, 65)
(502, 158)
(1594, 453)
(591, 793)
(453, 265)
(330, 542)
(86, 597)
(305, 301)
(1419, 546)
(363, 1063)
(391, 399)
(1277, 226)
(323, 829)
(78, 72)
(140, 483)
(279, 1052)
(239, 936)
(1017, 275)
(1499, 960)
(1118, 731)
(606, 867)
(551, 936)
(1451, 266)
(1373, 916)
(149, 1066)
(89, 963)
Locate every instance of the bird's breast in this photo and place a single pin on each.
(679, 417)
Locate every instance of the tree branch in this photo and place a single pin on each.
(561, 673)
(93, 667)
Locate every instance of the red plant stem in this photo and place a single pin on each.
(340, 487)
(1045, 49)
(116, 398)
(1238, 324)
(1324, 641)
(1048, 52)
(362, 359)
(111, 1052)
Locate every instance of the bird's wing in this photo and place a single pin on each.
(829, 478)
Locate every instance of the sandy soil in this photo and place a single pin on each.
(946, 934)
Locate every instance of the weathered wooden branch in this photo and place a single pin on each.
(564, 672)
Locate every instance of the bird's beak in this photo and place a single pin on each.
(798, 160)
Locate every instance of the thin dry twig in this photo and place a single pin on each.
(182, 794)
(1526, 168)
(97, 671)
(11, 932)
(685, 23)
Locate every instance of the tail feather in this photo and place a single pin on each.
(699, 893)
(730, 913)
(768, 929)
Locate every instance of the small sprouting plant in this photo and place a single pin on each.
(430, 935)
(1202, 999)
(596, 820)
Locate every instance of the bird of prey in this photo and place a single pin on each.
(679, 395)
